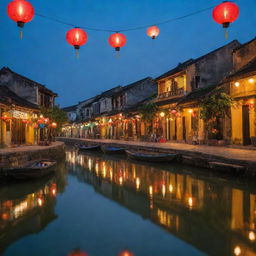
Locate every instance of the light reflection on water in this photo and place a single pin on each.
(215, 215)
(212, 214)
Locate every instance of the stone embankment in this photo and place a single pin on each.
(11, 157)
(224, 159)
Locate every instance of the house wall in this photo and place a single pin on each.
(22, 88)
(26, 89)
(105, 105)
(140, 92)
(244, 54)
(211, 68)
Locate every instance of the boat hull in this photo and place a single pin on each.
(32, 171)
(112, 150)
(151, 157)
(88, 148)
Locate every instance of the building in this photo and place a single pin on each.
(18, 123)
(27, 89)
(71, 113)
(180, 90)
(241, 84)
(121, 121)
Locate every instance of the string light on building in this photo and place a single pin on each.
(162, 114)
(251, 80)
(237, 251)
(252, 236)
(237, 84)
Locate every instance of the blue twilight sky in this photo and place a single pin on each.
(44, 55)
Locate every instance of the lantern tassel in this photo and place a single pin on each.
(21, 34)
(226, 33)
(118, 54)
(77, 54)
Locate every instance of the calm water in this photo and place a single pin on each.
(106, 204)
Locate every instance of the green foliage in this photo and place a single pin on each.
(56, 114)
(148, 112)
(216, 105)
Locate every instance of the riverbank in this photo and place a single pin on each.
(219, 158)
(10, 157)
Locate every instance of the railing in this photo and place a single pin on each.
(177, 92)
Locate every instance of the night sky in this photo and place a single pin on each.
(44, 55)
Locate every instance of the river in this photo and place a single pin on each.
(106, 204)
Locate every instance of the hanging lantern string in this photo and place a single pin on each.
(128, 29)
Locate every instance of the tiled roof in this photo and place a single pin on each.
(8, 97)
(40, 86)
(70, 108)
(182, 66)
(248, 69)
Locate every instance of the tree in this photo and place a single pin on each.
(213, 108)
(57, 115)
(148, 112)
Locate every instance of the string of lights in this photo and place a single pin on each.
(21, 11)
(131, 28)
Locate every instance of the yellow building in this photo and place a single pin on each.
(243, 113)
(179, 92)
(242, 87)
(18, 123)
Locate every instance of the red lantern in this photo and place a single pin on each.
(54, 125)
(77, 252)
(153, 32)
(117, 41)
(225, 13)
(76, 37)
(125, 253)
(21, 12)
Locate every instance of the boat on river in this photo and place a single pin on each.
(112, 150)
(149, 156)
(32, 170)
(82, 147)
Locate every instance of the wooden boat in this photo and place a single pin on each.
(32, 170)
(87, 147)
(149, 156)
(112, 150)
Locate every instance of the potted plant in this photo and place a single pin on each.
(212, 110)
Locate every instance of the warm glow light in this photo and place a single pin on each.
(125, 253)
(190, 202)
(251, 80)
(237, 84)
(190, 111)
(163, 190)
(40, 202)
(162, 114)
(121, 180)
(137, 183)
(237, 251)
(53, 191)
(171, 188)
(151, 190)
(251, 235)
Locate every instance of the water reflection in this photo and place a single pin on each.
(217, 216)
(28, 207)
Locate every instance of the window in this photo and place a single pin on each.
(197, 81)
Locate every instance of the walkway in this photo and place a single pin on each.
(22, 149)
(227, 152)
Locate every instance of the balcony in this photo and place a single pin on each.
(177, 92)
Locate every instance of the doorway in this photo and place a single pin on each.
(246, 125)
